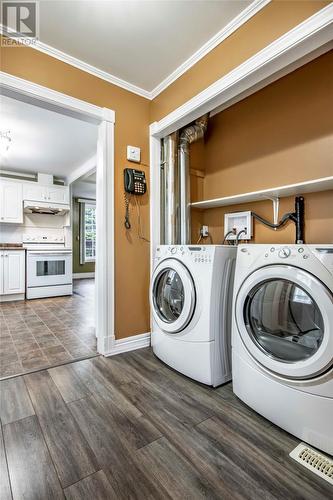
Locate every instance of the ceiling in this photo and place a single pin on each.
(44, 141)
(85, 187)
(141, 41)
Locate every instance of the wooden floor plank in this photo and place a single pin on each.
(98, 428)
(95, 487)
(131, 479)
(70, 452)
(14, 400)
(175, 473)
(162, 394)
(260, 461)
(68, 383)
(32, 473)
(5, 491)
(97, 379)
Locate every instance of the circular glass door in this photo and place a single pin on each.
(169, 295)
(284, 316)
(172, 296)
(283, 320)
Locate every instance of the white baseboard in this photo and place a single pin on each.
(129, 344)
(80, 276)
(12, 297)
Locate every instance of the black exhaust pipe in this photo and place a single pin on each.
(297, 217)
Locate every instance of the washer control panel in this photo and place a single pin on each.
(198, 254)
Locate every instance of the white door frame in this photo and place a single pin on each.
(27, 91)
(305, 42)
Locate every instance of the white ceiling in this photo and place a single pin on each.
(139, 41)
(85, 187)
(44, 141)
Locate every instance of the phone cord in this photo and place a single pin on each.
(127, 220)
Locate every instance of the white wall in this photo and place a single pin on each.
(13, 233)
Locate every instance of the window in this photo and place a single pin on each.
(87, 230)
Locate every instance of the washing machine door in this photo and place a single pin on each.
(172, 296)
(285, 319)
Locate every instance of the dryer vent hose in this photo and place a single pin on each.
(297, 217)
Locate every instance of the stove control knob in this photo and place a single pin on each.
(284, 253)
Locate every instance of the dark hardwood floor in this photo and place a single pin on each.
(128, 427)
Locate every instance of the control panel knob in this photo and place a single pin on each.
(173, 250)
(284, 253)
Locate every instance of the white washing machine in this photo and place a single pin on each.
(191, 300)
(282, 338)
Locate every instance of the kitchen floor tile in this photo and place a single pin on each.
(42, 333)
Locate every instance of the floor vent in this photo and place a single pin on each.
(313, 460)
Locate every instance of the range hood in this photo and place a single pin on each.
(31, 207)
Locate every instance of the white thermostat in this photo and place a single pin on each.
(133, 154)
(236, 222)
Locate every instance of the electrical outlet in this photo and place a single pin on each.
(133, 154)
(204, 231)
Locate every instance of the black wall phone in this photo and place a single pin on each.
(134, 181)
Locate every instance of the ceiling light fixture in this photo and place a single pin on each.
(5, 141)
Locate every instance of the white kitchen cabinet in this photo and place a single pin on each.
(34, 192)
(12, 272)
(39, 192)
(58, 194)
(1, 272)
(11, 202)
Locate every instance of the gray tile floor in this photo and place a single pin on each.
(40, 333)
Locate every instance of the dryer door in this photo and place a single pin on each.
(172, 296)
(285, 319)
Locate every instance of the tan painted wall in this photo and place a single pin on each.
(270, 23)
(132, 121)
(283, 134)
(133, 115)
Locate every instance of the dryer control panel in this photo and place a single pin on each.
(196, 253)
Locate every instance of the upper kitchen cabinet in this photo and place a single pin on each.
(11, 209)
(39, 192)
(58, 194)
(34, 192)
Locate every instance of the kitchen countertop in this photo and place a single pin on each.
(11, 246)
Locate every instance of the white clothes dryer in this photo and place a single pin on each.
(282, 337)
(191, 299)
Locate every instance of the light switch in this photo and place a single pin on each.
(133, 154)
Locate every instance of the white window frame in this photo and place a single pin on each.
(83, 204)
(88, 259)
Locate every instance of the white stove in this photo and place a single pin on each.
(49, 263)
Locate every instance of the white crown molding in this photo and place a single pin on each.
(129, 344)
(88, 68)
(231, 27)
(219, 37)
(312, 36)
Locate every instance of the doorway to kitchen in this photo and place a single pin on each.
(87, 312)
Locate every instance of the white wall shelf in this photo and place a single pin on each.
(301, 188)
